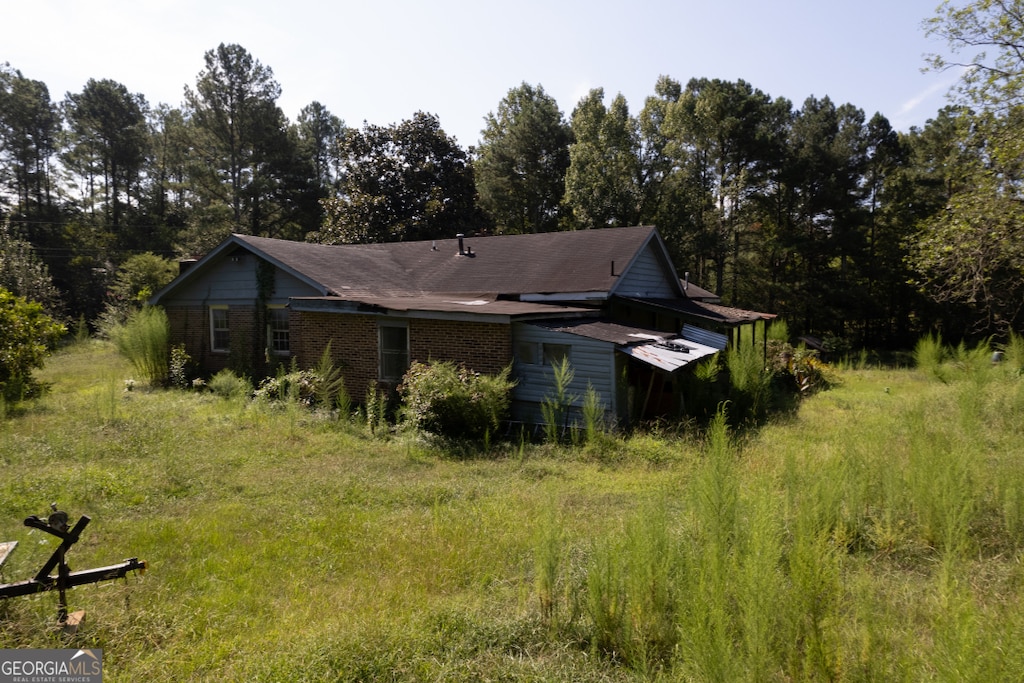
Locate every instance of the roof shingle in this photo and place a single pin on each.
(555, 262)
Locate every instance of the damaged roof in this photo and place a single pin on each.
(664, 351)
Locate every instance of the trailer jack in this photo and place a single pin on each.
(57, 525)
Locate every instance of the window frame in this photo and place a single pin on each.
(217, 332)
(276, 334)
(549, 356)
(386, 356)
(528, 353)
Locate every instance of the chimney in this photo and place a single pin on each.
(461, 252)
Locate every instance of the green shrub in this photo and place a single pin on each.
(322, 386)
(144, 341)
(800, 367)
(227, 384)
(298, 386)
(180, 367)
(27, 335)
(137, 279)
(451, 401)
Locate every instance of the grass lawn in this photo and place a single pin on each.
(874, 535)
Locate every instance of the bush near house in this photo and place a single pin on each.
(451, 401)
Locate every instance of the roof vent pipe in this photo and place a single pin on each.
(686, 280)
(460, 236)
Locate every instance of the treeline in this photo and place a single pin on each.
(848, 229)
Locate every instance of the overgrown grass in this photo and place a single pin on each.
(876, 534)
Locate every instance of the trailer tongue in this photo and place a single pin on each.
(57, 525)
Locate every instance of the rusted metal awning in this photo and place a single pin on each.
(669, 354)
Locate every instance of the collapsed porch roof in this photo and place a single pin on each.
(665, 352)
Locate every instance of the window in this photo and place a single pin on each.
(526, 352)
(220, 339)
(394, 351)
(277, 330)
(555, 353)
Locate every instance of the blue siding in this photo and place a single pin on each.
(233, 281)
(648, 276)
(592, 361)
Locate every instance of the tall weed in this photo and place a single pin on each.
(974, 363)
(749, 381)
(144, 341)
(708, 627)
(631, 600)
(759, 584)
(929, 356)
(1013, 354)
(778, 331)
(556, 405)
(330, 389)
(547, 567)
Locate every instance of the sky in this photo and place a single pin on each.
(380, 62)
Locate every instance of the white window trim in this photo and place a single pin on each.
(270, 331)
(213, 330)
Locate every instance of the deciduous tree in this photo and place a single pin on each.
(970, 253)
(407, 181)
(23, 273)
(27, 334)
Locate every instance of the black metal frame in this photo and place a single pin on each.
(56, 525)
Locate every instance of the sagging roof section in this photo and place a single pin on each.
(665, 352)
(669, 354)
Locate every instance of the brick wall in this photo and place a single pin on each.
(190, 325)
(484, 347)
(353, 340)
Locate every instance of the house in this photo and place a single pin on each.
(607, 300)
